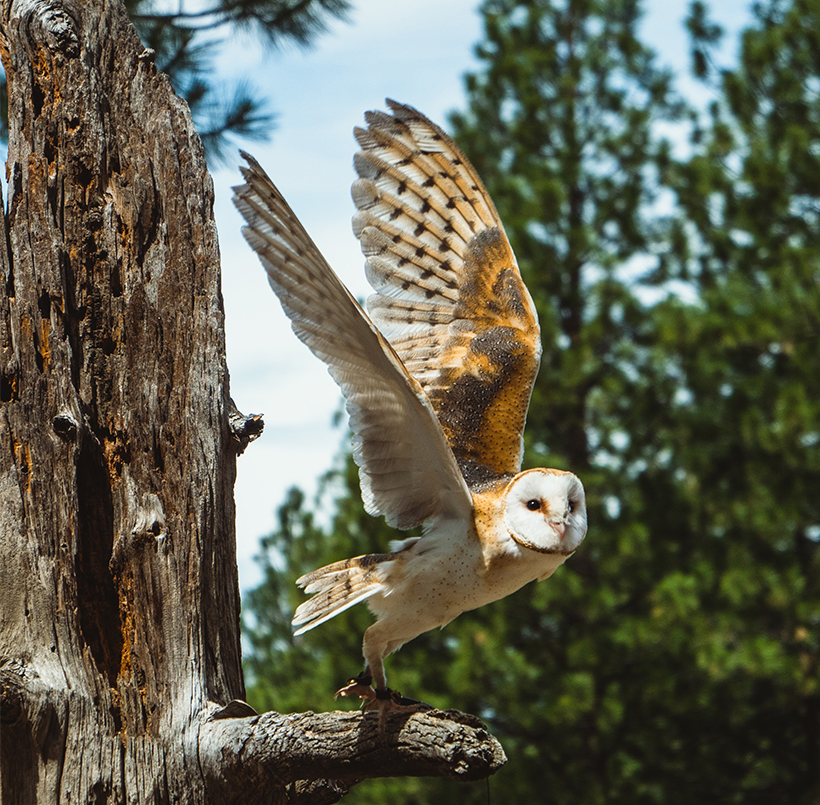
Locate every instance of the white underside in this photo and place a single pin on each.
(445, 575)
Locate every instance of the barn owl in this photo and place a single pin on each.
(437, 381)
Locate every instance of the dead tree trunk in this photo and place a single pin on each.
(119, 642)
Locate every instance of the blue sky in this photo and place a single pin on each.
(415, 51)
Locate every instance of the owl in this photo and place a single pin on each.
(437, 377)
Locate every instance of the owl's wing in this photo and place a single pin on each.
(407, 470)
(449, 295)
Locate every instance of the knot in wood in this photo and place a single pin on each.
(49, 22)
(12, 691)
(65, 426)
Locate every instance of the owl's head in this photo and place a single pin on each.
(545, 511)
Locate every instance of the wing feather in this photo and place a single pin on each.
(407, 470)
(449, 295)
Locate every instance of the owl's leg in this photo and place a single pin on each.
(378, 697)
(385, 700)
(375, 650)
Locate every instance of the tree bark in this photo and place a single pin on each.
(120, 665)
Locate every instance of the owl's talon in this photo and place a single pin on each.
(358, 686)
(364, 692)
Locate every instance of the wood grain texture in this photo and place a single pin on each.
(118, 439)
(275, 749)
(119, 584)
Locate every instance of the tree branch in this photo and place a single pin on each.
(244, 756)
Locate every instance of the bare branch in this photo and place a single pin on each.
(275, 749)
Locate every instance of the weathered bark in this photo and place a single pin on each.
(119, 647)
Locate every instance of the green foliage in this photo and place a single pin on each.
(674, 659)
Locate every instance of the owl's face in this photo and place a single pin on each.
(545, 511)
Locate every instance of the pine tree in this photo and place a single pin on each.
(746, 437)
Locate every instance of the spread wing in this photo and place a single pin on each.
(449, 295)
(407, 470)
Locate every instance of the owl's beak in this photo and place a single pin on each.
(559, 526)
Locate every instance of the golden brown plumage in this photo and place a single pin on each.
(449, 295)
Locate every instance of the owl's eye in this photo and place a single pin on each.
(533, 505)
(571, 506)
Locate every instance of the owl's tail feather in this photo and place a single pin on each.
(338, 587)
